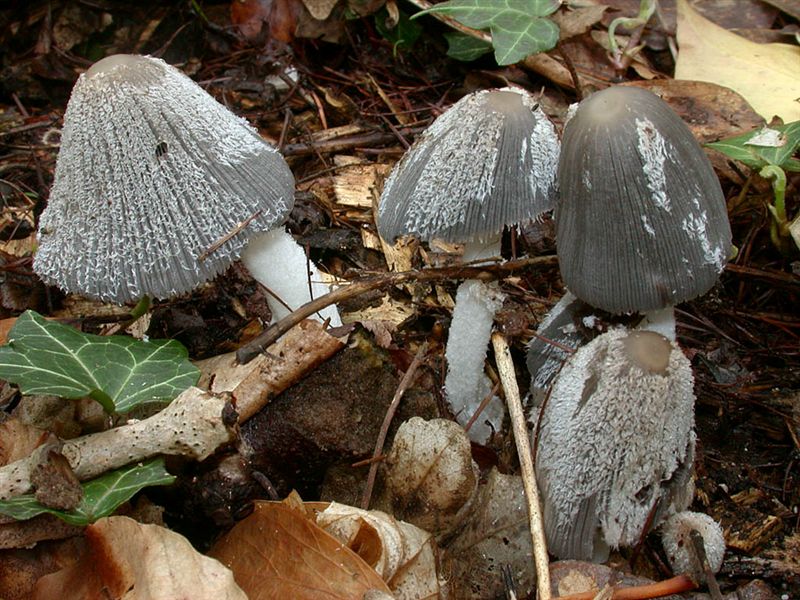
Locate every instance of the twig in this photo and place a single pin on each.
(700, 550)
(505, 367)
(451, 22)
(191, 425)
(485, 273)
(676, 585)
(219, 243)
(405, 382)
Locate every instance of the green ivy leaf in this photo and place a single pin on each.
(404, 33)
(518, 27)
(465, 47)
(101, 496)
(121, 373)
(755, 156)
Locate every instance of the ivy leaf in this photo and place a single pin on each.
(465, 47)
(518, 27)
(748, 149)
(121, 373)
(101, 496)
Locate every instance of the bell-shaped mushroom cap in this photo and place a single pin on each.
(616, 439)
(641, 222)
(487, 162)
(151, 172)
(675, 536)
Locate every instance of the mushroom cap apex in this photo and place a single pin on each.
(113, 62)
(648, 350)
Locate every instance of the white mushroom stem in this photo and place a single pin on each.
(191, 426)
(466, 385)
(661, 321)
(278, 263)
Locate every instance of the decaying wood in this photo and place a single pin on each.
(484, 273)
(191, 425)
(285, 362)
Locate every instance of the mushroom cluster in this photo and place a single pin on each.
(158, 188)
(641, 225)
(486, 163)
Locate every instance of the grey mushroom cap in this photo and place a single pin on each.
(616, 439)
(641, 221)
(151, 172)
(489, 161)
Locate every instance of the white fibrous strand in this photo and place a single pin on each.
(487, 162)
(466, 385)
(152, 172)
(616, 441)
(278, 263)
(653, 152)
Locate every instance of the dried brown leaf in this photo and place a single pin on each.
(125, 559)
(277, 552)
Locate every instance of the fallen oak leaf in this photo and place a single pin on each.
(289, 556)
(764, 74)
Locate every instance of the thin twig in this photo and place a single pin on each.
(676, 585)
(219, 243)
(451, 22)
(405, 382)
(505, 367)
(485, 273)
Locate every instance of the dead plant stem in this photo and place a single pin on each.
(505, 367)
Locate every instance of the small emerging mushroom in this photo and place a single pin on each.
(488, 162)
(616, 443)
(641, 222)
(151, 175)
(676, 538)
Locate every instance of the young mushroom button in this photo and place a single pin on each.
(151, 173)
(616, 443)
(488, 162)
(641, 222)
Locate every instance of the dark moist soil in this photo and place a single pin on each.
(743, 337)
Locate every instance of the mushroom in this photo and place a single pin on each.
(676, 537)
(641, 221)
(486, 163)
(569, 324)
(151, 174)
(616, 443)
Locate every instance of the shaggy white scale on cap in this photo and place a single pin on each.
(641, 223)
(676, 538)
(616, 439)
(151, 172)
(489, 161)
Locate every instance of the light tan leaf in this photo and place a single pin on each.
(767, 75)
(404, 555)
(320, 9)
(126, 559)
(277, 552)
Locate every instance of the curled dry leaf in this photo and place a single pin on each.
(430, 477)
(405, 556)
(277, 552)
(494, 534)
(125, 559)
